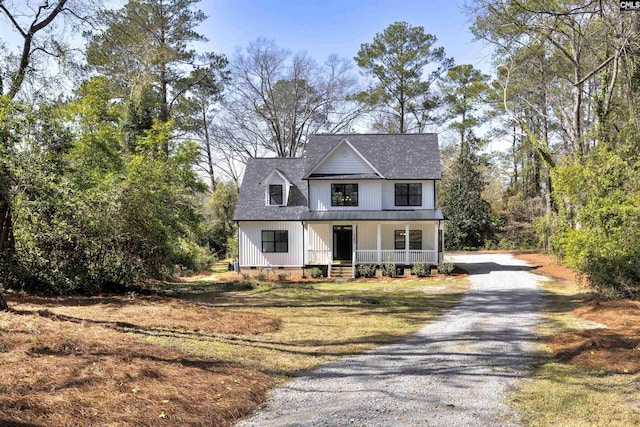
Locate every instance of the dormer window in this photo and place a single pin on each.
(344, 194)
(275, 194)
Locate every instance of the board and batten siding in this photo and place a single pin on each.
(343, 160)
(319, 236)
(389, 195)
(250, 244)
(369, 195)
(367, 235)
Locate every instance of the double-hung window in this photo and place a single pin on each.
(275, 194)
(409, 194)
(344, 194)
(415, 240)
(275, 241)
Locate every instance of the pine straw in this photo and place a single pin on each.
(291, 277)
(63, 373)
(616, 349)
(547, 265)
(144, 313)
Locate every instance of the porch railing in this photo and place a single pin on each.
(371, 256)
(366, 257)
(396, 256)
(427, 257)
(319, 256)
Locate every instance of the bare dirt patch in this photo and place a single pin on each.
(55, 372)
(145, 312)
(547, 265)
(616, 349)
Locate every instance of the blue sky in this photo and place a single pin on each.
(337, 26)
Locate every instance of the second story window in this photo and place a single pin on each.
(344, 194)
(409, 194)
(275, 194)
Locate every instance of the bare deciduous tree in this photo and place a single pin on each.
(277, 99)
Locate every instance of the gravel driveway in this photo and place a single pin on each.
(455, 371)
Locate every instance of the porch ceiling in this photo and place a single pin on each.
(399, 215)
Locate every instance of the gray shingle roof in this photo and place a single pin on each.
(395, 156)
(398, 156)
(251, 202)
(399, 215)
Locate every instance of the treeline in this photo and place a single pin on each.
(569, 79)
(134, 172)
(100, 186)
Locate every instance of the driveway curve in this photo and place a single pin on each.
(455, 371)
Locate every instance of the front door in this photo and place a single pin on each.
(342, 242)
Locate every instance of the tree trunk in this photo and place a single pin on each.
(6, 233)
(3, 303)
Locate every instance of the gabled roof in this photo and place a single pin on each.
(277, 172)
(402, 156)
(251, 202)
(347, 146)
(394, 156)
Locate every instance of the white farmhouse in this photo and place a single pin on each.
(354, 199)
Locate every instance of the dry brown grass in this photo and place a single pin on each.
(145, 312)
(320, 321)
(87, 361)
(616, 349)
(581, 380)
(547, 265)
(59, 373)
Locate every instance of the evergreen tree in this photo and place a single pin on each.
(398, 60)
(468, 214)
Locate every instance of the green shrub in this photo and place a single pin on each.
(366, 270)
(389, 269)
(315, 273)
(446, 268)
(421, 269)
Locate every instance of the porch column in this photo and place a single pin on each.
(379, 241)
(435, 244)
(330, 260)
(406, 243)
(307, 244)
(354, 248)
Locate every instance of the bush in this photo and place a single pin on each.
(446, 268)
(283, 277)
(421, 269)
(389, 269)
(315, 273)
(366, 270)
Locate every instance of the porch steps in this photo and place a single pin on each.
(341, 271)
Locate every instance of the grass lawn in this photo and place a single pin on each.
(320, 321)
(202, 353)
(581, 379)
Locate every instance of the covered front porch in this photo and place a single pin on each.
(349, 243)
